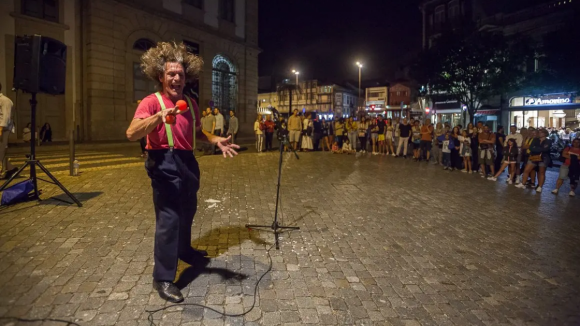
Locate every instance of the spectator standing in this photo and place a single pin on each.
(352, 131)
(209, 126)
(570, 168)
(426, 140)
(325, 129)
(519, 141)
(474, 135)
(465, 151)
(381, 131)
(307, 130)
(455, 157)
(374, 135)
(446, 146)
(416, 139)
(396, 125)
(363, 127)
(233, 126)
(294, 129)
(259, 132)
(389, 135)
(539, 157)
(486, 144)
(269, 126)
(499, 145)
(219, 122)
(7, 115)
(405, 134)
(339, 131)
(317, 134)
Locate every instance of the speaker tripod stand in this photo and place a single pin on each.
(276, 227)
(32, 162)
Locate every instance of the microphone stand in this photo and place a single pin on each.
(276, 227)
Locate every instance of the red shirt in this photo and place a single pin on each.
(269, 125)
(572, 150)
(182, 130)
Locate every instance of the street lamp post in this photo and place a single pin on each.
(296, 73)
(359, 82)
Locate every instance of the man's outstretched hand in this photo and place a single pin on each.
(226, 147)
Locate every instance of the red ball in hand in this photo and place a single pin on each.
(170, 119)
(182, 105)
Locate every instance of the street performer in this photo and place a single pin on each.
(171, 165)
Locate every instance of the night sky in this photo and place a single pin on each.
(323, 39)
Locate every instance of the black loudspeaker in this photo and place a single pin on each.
(39, 64)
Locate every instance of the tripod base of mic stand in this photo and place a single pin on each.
(276, 229)
(36, 196)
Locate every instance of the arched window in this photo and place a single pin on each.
(143, 44)
(224, 84)
(142, 85)
(454, 10)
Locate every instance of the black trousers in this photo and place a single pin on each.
(269, 137)
(175, 182)
(316, 137)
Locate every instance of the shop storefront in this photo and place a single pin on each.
(446, 110)
(488, 118)
(548, 111)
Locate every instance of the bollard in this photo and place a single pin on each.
(71, 145)
(76, 168)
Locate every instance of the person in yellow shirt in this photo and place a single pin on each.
(352, 129)
(339, 131)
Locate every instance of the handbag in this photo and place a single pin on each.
(536, 158)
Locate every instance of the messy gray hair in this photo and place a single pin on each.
(154, 60)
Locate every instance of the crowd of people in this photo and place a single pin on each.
(474, 149)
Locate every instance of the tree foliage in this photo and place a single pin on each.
(472, 68)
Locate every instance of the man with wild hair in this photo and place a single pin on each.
(171, 164)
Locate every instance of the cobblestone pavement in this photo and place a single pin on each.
(384, 241)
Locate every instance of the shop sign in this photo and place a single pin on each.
(546, 101)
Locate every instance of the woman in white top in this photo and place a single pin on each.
(258, 131)
(307, 129)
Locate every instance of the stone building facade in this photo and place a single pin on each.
(105, 39)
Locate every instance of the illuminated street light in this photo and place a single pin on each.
(359, 82)
(296, 73)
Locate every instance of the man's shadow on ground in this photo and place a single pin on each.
(192, 272)
(210, 242)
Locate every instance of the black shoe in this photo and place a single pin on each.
(405, 157)
(168, 291)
